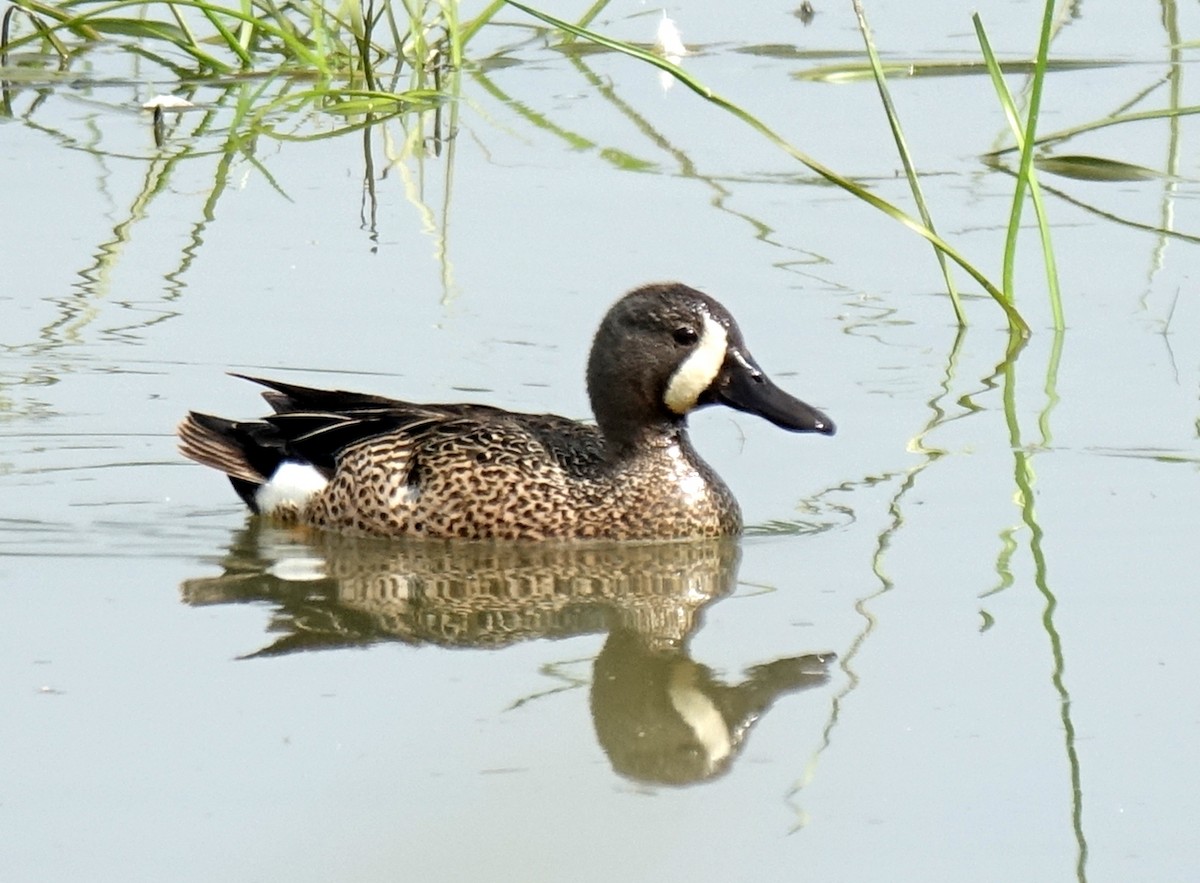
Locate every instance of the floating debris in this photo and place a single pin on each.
(669, 42)
(159, 103)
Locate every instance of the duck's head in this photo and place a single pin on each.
(663, 351)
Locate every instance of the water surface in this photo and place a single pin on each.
(954, 643)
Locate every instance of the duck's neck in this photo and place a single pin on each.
(627, 440)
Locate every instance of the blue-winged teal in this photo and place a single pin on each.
(370, 465)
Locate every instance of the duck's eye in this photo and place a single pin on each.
(685, 336)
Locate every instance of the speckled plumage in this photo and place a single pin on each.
(401, 469)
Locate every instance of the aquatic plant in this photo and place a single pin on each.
(362, 61)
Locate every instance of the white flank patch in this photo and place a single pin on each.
(698, 370)
(291, 486)
(701, 716)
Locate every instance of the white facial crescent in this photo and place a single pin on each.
(698, 370)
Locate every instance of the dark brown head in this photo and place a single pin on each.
(664, 350)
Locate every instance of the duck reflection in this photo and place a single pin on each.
(660, 716)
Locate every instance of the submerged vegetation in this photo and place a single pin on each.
(360, 62)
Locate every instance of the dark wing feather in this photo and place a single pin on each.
(286, 397)
(319, 438)
(332, 418)
(317, 425)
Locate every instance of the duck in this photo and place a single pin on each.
(367, 465)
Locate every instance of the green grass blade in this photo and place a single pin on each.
(589, 16)
(1017, 323)
(88, 22)
(914, 182)
(453, 31)
(1116, 120)
(1013, 116)
(857, 71)
(472, 27)
(1022, 134)
(41, 31)
(230, 38)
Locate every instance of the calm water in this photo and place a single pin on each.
(956, 645)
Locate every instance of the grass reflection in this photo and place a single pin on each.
(1024, 478)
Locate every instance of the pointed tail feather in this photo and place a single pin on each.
(215, 442)
(245, 452)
